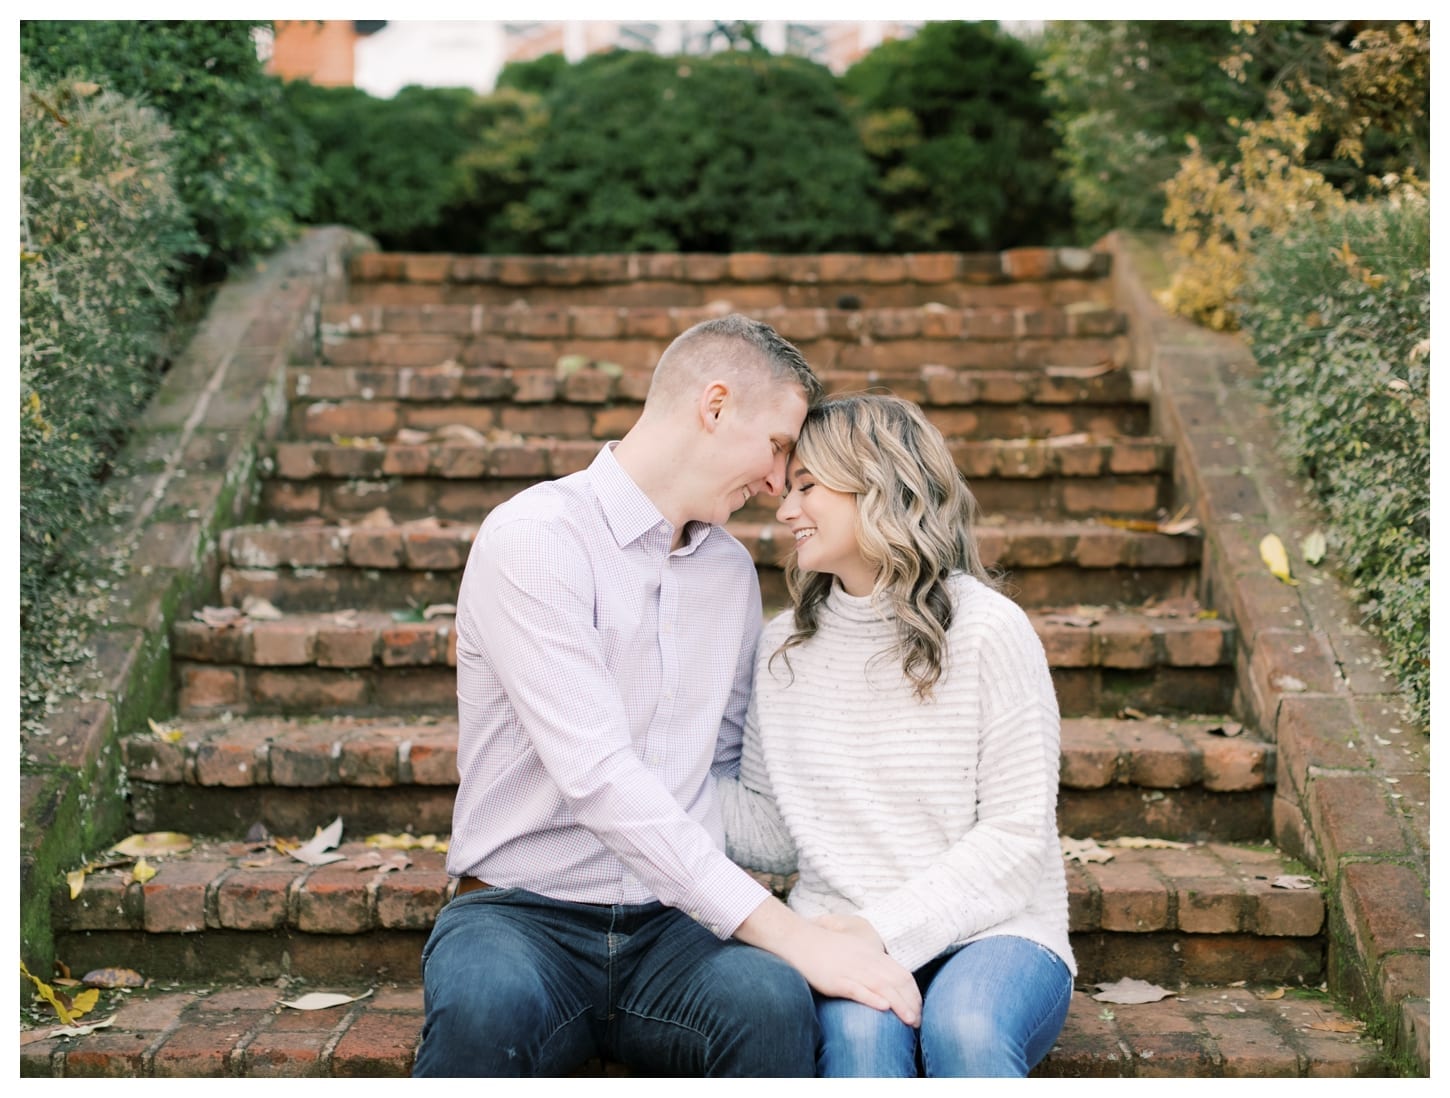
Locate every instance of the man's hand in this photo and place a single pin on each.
(854, 925)
(840, 963)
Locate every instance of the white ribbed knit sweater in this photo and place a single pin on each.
(935, 821)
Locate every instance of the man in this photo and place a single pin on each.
(606, 636)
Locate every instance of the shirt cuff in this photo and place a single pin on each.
(724, 899)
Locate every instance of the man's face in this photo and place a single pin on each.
(752, 441)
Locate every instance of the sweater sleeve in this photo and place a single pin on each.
(993, 871)
(755, 833)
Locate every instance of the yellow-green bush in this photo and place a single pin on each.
(102, 233)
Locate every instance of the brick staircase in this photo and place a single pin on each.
(446, 384)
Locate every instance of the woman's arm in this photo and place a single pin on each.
(755, 832)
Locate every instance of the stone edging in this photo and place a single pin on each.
(189, 471)
(1353, 782)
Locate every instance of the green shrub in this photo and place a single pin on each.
(204, 77)
(1337, 310)
(957, 126)
(103, 234)
(430, 169)
(731, 152)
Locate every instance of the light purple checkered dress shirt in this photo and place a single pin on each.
(602, 685)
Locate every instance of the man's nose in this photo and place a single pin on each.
(775, 479)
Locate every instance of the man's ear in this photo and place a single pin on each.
(712, 403)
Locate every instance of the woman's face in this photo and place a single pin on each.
(823, 522)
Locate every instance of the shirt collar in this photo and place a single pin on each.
(630, 513)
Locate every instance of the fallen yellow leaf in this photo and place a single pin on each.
(1272, 550)
(143, 871)
(65, 1012)
(155, 842)
(76, 878)
(170, 735)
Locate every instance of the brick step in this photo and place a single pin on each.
(1074, 478)
(1021, 276)
(1154, 777)
(320, 566)
(369, 660)
(533, 336)
(587, 401)
(241, 1030)
(862, 353)
(1207, 913)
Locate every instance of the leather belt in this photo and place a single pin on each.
(470, 884)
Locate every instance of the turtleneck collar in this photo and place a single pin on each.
(860, 608)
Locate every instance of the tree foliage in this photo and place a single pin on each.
(957, 125)
(204, 78)
(1127, 96)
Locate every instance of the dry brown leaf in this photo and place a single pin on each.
(113, 977)
(259, 609)
(1147, 526)
(1107, 366)
(1084, 850)
(1272, 993)
(1337, 1025)
(218, 617)
(315, 850)
(1078, 621)
(1128, 713)
(1183, 606)
(1292, 881)
(1128, 990)
(321, 1000)
(378, 516)
(407, 842)
(460, 432)
(81, 1031)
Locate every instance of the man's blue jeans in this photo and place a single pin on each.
(518, 984)
(992, 1008)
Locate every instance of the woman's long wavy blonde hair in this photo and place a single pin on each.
(915, 522)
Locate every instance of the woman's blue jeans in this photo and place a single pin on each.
(992, 1008)
(515, 984)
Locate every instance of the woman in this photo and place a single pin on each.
(901, 754)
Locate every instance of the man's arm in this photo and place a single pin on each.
(530, 591)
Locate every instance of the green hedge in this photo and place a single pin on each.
(731, 152)
(103, 233)
(204, 78)
(957, 126)
(1338, 316)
